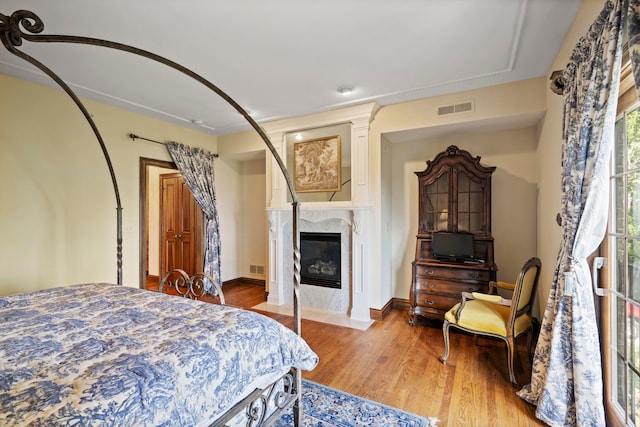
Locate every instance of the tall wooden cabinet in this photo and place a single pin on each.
(454, 196)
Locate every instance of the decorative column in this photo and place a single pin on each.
(360, 161)
(279, 188)
(360, 255)
(276, 257)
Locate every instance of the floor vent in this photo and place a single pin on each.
(462, 107)
(256, 269)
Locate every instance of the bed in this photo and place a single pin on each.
(106, 354)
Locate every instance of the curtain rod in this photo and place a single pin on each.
(133, 136)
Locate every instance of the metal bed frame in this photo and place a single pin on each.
(190, 287)
(24, 25)
(254, 408)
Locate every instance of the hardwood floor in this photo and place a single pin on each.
(398, 365)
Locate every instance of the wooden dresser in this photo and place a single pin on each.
(454, 196)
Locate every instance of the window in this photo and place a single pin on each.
(622, 309)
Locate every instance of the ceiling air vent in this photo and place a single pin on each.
(462, 107)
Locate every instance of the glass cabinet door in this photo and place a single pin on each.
(455, 195)
(436, 209)
(469, 204)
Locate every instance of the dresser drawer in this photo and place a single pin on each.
(444, 287)
(440, 302)
(453, 273)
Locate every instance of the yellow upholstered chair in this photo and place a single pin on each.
(495, 316)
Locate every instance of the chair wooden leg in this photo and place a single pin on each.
(445, 333)
(510, 358)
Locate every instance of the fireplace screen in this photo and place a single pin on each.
(320, 259)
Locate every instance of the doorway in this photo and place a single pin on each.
(180, 228)
(181, 246)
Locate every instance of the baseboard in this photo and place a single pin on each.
(392, 304)
(401, 304)
(244, 281)
(379, 315)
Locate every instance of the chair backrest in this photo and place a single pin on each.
(525, 288)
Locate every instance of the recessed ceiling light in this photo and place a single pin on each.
(197, 122)
(345, 90)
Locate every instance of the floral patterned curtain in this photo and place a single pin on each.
(566, 381)
(196, 167)
(633, 29)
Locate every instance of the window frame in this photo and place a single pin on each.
(616, 415)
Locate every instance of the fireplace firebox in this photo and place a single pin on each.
(320, 259)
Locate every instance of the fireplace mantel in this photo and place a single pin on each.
(353, 298)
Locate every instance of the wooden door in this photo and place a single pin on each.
(180, 226)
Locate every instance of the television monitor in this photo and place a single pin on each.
(453, 246)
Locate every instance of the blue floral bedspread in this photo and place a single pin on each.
(102, 354)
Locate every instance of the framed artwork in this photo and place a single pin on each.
(316, 164)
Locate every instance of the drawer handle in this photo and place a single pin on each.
(431, 285)
(426, 301)
(431, 272)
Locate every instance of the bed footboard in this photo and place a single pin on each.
(264, 406)
(194, 287)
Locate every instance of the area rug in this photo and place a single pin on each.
(327, 407)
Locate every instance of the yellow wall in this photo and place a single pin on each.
(549, 155)
(528, 166)
(254, 231)
(58, 209)
(241, 144)
(513, 153)
(514, 194)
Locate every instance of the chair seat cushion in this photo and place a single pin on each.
(484, 316)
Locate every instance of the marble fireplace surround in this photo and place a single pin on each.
(348, 303)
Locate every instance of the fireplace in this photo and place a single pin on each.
(352, 297)
(320, 259)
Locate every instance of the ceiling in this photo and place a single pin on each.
(285, 58)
